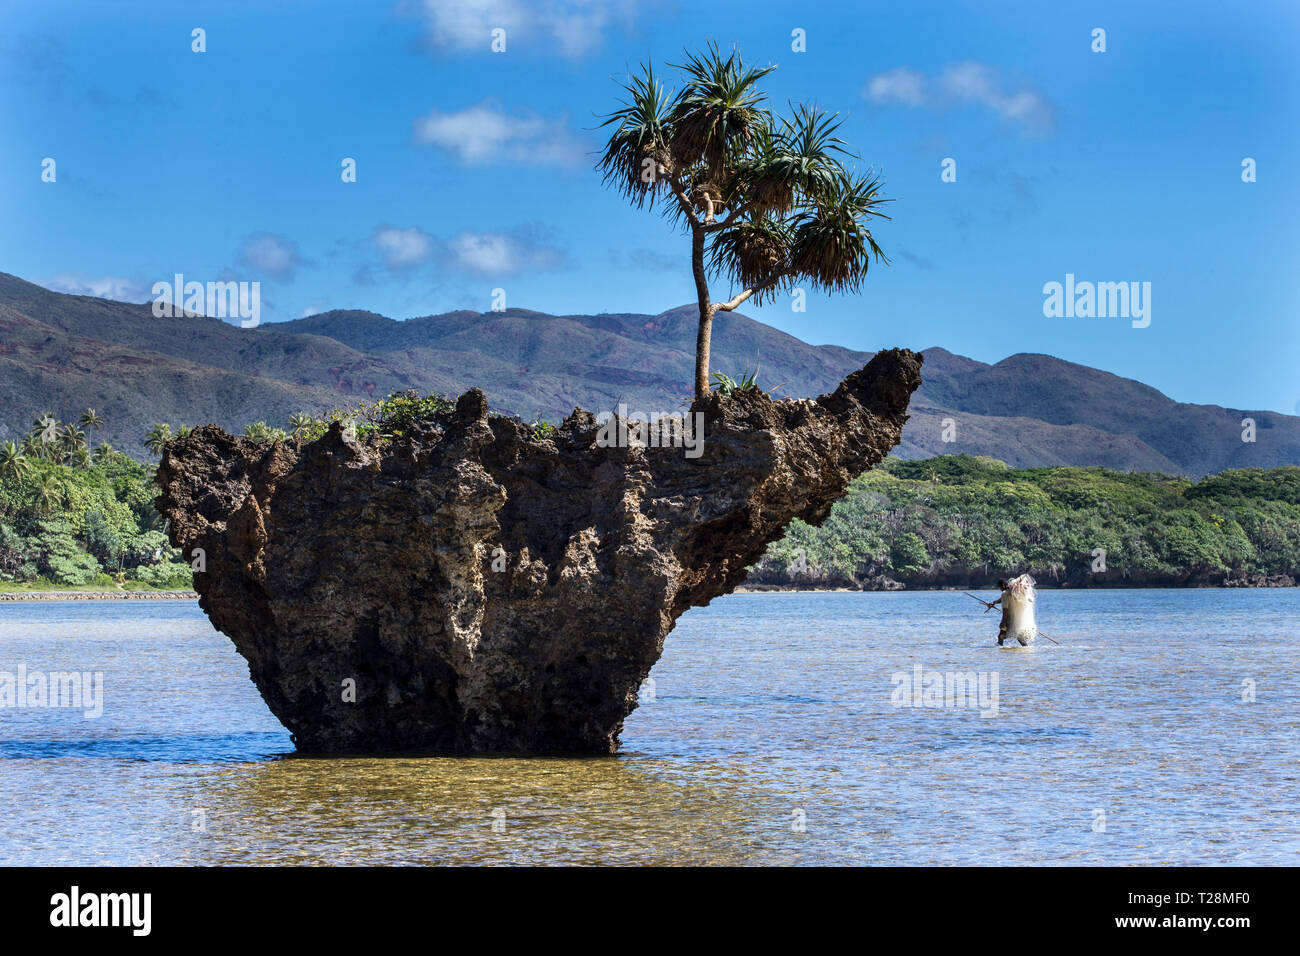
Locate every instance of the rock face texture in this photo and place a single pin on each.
(467, 586)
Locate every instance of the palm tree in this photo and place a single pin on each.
(104, 453)
(47, 492)
(768, 201)
(184, 430)
(31, 446)
(13, 463)
(45, 433)
(91, 420)
(299, 422)
(71, 441)
(158, 437)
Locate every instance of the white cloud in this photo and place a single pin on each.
(902, 86)
(271, 255)
(483, 252)
(404, 248)
(484, 133)
(964, 83)
(977, 83)
(570, 28)
(480, 253)
(118, 288)
(495, 253)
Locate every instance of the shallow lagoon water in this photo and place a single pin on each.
(773, 738)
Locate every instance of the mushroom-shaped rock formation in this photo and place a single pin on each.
(468, 586)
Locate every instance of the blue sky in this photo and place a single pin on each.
(474, 168)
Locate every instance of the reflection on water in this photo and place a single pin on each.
(772, 738)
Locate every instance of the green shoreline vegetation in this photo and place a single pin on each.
(76, 520)
(955, 521)
(73, 520)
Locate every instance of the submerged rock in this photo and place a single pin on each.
(469, 587)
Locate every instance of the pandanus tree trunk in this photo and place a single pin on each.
(705, 333)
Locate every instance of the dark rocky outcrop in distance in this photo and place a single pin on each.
(339, 561)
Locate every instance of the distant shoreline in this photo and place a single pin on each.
(1042, 586)
(98, 595)
(743, 589)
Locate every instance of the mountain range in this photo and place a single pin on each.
(63, 353)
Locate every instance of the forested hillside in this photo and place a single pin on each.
(957, 521)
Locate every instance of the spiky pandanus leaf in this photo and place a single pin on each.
(753, 253)
(791, 163)
(761, 177)
(833, 245)
(641, 134)
(809, 157)
(727, 385)
(717, 113)
(299, 423)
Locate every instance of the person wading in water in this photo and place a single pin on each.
(1017, 600)
(1006, 612)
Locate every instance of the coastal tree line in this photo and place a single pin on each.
(76, 516)
(73, 516)
(958, 521)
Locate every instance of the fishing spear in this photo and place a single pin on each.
(988, 605)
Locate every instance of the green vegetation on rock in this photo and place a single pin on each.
(70, 519)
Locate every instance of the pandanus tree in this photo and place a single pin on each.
(768, 201)
(299, 422)
(261, 431)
